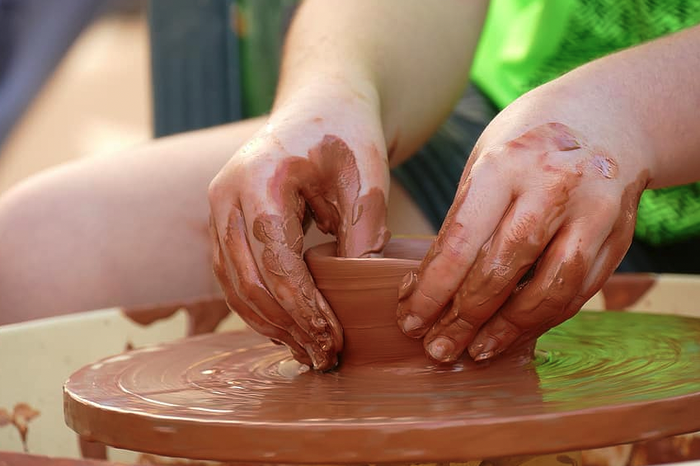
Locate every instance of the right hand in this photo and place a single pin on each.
(323, 153)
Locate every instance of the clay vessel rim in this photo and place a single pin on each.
(325, 252)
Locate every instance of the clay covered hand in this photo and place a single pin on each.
(542, 216)
(331, 161)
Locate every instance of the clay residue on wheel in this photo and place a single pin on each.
(623, 291)
(21, 459)
(92, 450)
(668, 450)
(19, 418)
(204, 316)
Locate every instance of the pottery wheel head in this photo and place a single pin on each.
(599, 379)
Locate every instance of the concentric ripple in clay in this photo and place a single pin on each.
(599, 379)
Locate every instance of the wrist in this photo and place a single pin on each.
(331, 105)
(609, 114)
(347, 86)
(607, 119)
(322, 107)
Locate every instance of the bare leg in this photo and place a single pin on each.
(126, 230)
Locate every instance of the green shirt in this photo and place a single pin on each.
(526, 43)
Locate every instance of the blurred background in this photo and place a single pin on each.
(74, 82)
(92, 77)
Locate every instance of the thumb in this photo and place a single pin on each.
(366, 234)
(352, 200)
(363, 231)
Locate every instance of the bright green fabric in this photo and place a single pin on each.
(526, 43)
(518, 37)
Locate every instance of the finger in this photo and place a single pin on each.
(277, 251)
(249, 285)
(519, 241)
(251, 318)
(471, 221)
(603, 266)
(349, 198)
(556, 281)
(607, 259)
(365, 233)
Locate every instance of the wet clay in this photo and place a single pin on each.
(676, 449)
(20, 417)
(669, 450)
(599, 379)
(364, 294)
(329, 181)
(92, 450)
(622, 291)
(477, 286)
(485, 294)
(19, 459)
(278, 297)
(203, 315)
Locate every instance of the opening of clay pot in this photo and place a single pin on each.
(363, 293)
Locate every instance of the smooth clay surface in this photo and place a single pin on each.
(600, 379)
(363, 294)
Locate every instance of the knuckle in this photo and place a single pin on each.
(489, 158)
(512, 322)
(217, 191)
(575, 304)
(557, 301)
(553, 304)
(464, 324)
(608, 205)
(498, 278)
(530, 227)
(509, 327)
(486, 285)
(456, 246)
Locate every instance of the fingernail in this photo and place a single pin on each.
(482, 351)
(408, 284)
(410, 323)
(441, 349)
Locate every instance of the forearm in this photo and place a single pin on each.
(408, 58)
(653, 88)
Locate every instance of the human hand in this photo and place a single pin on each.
(327, 154)
(543, 215)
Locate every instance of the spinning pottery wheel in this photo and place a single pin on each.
(600, 379)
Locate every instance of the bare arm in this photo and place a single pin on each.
(656, 86)
(356, 74)
(547, 204)
(411, 57)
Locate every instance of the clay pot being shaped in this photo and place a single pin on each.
(363, 293)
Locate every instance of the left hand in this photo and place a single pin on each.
(543, 215)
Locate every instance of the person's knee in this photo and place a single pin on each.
(38, 241)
